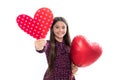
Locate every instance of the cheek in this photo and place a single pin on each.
(55, 31)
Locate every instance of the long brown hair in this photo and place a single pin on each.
(66, 39)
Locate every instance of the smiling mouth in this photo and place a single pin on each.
(60, 34)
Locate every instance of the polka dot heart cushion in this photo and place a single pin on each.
(38, 26)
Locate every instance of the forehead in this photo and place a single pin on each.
(60, 23)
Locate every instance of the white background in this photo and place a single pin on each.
(98, 20)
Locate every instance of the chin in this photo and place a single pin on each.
(60, 37)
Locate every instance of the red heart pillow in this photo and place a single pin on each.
(38, 26)
(84, 53)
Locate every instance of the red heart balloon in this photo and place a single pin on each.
(84, 53)
(39, 25)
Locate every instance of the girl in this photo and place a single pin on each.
(57, 51)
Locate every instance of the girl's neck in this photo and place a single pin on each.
(59, 39)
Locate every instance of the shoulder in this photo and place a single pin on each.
(47, 42)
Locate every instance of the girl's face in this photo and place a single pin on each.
(59, 30)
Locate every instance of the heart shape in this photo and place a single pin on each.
(83, 53)
(39, 25)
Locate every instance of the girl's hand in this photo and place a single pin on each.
(39, 44)
(74, 69)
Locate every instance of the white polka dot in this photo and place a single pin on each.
(18, 20)
(27, 17)
(40, 16)
(44, 26)
(19, 17)
(26, 21)
(35, 30)
(46, 23)
(50, 16)
(39, 28)
(42, 12)
(34, 21)
(31, 28)
(39, 20)
(23, 27)
(30, 19)
(36, 35)
(35, 18)
(28, 26)
(38, 23)
(43, 21)
(23, 15)
(44, 18)
(38, 32)
(22, 19)
(21, 22)
(29, 31)
(37, 14)
(24, 24)
(36, 26)
(48, 20)
(43, 30)
(26, 29)
(20, 25)
(46, 14)
(32, 24)
(48, 11)
(41, 25)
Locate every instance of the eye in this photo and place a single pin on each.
(56, 27)
(63, 27)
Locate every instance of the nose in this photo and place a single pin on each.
(60, 29)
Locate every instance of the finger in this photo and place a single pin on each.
(41, 39)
